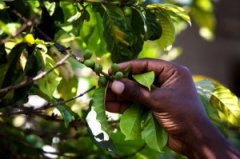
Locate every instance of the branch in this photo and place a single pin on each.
(58, 64)
(29, 81)
(30, 110)
(71, 99)
(27, 24)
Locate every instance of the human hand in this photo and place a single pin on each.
(174, 103)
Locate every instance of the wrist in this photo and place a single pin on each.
(205, 141)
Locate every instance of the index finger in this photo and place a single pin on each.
(163, 70)
(138, 66)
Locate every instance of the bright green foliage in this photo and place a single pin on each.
(137, 123)
(172, 10)
(122, 35)
(145, 79)
(225, 103)
(154, 136)
(45, 47)
(130, 122)
(98, 104)
(50, 82)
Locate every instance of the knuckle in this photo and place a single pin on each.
(183, 70)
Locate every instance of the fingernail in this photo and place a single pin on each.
(117, 87)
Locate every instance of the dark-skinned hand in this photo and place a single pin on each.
(176, 106)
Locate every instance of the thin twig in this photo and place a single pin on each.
(30, 81)
(24, 83)
(58, 64)
(26, 25)
(71, 99)
(30, 110)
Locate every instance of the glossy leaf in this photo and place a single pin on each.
(49, 83)
(122, 40)
(130, 123)
(168, 30)
(97, 120)
(154, 136)
(66, 85)
(227, 104)
(222, 100)
(145, 79)
(172, 10)
(154, 30)
(98, 104)
(92, 32)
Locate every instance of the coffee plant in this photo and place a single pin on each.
(54, 61)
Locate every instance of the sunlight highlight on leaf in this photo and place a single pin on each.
(145, 79)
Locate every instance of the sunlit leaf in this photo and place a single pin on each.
(123, 36)
(172, 10)
(97, 120)
(227, 103)
(92, 33)
(168, 30)
(145, 79)
(130, 122)
(224, 102)
(69, 86)
(49, 83)
(154, 136)
(98, 103)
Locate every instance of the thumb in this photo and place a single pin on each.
(130, 90)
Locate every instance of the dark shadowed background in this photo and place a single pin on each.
(219, 59)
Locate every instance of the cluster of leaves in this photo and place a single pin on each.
(45, 49)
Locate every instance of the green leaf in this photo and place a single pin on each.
(154, 136)
(97, 120)
(92, 32)
(227, 104)
(69, 86)
(154, 30)
(66, 114)
(172, 10)
(130, 123)
(216, 96)
(98, 104)
(168, 30)
(11, 71)
(49, 83)
(145, 79)
(123, 34)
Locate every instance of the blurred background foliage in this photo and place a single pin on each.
(42, 109)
